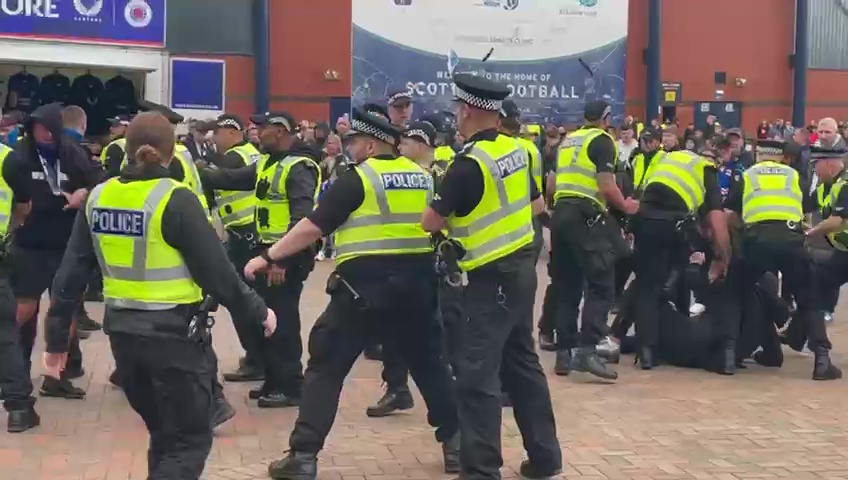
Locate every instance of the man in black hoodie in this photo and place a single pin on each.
(62, 175)
(285, 184)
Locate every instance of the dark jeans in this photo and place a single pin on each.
(498, 354)
(406, 315)
(282, 352)
(15, 383)
(583, 268)
(168, 383)
(240, 251)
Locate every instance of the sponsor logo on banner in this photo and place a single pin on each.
(505, 4)
(88, 9)
(138, 13)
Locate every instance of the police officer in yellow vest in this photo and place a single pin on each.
(487, 202)
(583, 258)
(443, 153)
(680, 189)
(113, 154)
(646, 157)
(15, 203)
(285, 184)
(769, 201)
(159, 255)
(236, 208)
(384, 284)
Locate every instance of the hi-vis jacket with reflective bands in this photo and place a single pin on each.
(683, 172)
(192, 177)
(839, 239)
(640, 173)
(140, 270)
(273, 212)
(6, 194)
(121, 143)
(772, 192)
(502, 222)
(388, 222)
(576, 174)
(535, 161)
(445, 154)
(234, 207)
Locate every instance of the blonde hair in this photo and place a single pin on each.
(74, 117)
(150, 138)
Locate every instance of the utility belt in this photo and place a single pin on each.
(448, 254)
(201, 323)
(337, 285)
(792, 225)
(249, 238)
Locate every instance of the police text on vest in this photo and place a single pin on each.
(512, 163)
(117, 222)
(407, 181)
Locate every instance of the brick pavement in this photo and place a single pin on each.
(665, 424)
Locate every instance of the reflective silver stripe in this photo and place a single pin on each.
(573, 167)
(577, 144)
(770, 209)
(274, 190)
(233, 196)
(499, 242)
(754, 176)
(646, 167)
(242, 214)
(688, 166)
(4, 195)
(138, 272)
(386, 217)
(4, 219)
(382, 245)
(123, 303)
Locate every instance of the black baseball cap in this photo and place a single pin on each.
(596, 110)
(120, 120)
(510, 110)
(228, 120)
(734, 131)
(648, 134)
(422, 131)
(280, 118)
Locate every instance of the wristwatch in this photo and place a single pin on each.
(266, 257)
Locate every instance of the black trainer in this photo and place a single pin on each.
(277, 400)
(256, 393)
(295, 466)
(245, 373)
(450, 454)
(22, 420)
(391, 402)
(529, 472)
(60, 389)
(223, 412)
(823, 368)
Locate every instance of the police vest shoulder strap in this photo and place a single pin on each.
(281, 167)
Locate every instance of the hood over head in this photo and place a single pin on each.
(48, 115)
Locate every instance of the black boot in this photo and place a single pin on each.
(529, 471)
(586, 360)
(374, 351)
(295, 466)
(391, 402)
(727, 359)
(450, 454)
(60, 389)
(277, 400)
(245, 373)
(562, 366)
(21, 420)
(646, 358)
(547, 341)
(823, 368)
(222, 413)
(769, 359)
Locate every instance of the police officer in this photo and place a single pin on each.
(769, 201)
(158, 253)
(583, 243)
(400, 108)
(444, 152)
(113, 154)
(235, 208)
(15, 203)
(679, 188)
(646, 158)
(487, 201)
(285, 184)
(384, 285)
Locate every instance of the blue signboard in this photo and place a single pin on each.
(553, 56)
(198, 84)
(115, 22)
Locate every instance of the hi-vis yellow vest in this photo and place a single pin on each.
(121, 143)
(191, 178)
(683, 172)
(6, 195)
(772, 192)
(444, 154)
(502, 222)
(839, 239)
(576, 175)
(389, 220)
(234, 207)
(273, 212)
(640, 173)
(535, 161)
(140, 270)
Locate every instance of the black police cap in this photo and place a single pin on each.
(422, 131)
(479, 92)
(228, 120)
(772, 148)
(280, 118)
(596, 110)
(364, 123)
(376, 109)
(510, 110)
(824, 153)
(398, 96)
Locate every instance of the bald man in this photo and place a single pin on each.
(829, 136)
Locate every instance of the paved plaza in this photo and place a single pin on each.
(667, 424)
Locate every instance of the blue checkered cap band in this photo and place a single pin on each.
(358, 126)
(477, 102)
(773, 151)
(419, 134)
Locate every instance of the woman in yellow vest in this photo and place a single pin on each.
(769, 201)
(159, 255)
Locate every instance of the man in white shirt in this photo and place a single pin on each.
(626, 144)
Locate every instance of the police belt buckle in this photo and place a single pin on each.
(591, 222)
(792, 224)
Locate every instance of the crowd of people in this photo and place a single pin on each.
(717, 249)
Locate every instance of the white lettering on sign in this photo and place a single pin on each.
(29, 8)
(407, 181)
(117, 222)
(512, 163)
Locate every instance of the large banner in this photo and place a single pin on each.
(553, 54)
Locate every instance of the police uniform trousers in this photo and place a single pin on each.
(771, 247)
(240, 242)
(831, 273)
(583, 268)
(168, 382)
(15, 383)
(450, 313)
(282, 352)
(399, 308)
(660, 259)
(547, 321)
(498, 354)
(395, 372)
